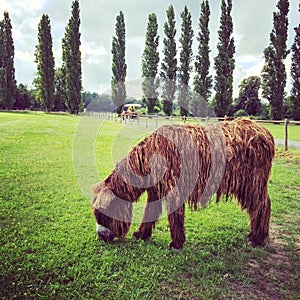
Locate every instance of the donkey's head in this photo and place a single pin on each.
(113, 215)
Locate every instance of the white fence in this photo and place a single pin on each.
(155, 121)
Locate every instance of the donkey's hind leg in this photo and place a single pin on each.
(176, 222)
(259, 223)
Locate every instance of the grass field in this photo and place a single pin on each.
(49, 248)
(278, 131)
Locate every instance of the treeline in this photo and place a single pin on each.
(168, 86)
(55, 88)
(174, 77)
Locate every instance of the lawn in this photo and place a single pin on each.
(49, 248)
(278, 131)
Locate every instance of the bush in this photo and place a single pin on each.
(240, 113)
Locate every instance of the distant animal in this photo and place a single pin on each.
(179, 164)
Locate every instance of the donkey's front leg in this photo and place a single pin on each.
(151, 214)
(176, 222)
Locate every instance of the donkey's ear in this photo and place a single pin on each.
(98, 187)
(103, 196)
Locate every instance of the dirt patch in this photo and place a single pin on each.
(273, 276)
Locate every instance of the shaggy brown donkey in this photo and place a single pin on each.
(178, 164)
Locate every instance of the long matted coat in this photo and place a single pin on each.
(189, 163)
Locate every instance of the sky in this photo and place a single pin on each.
(252, 24)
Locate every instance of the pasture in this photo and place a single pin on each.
(49, 248)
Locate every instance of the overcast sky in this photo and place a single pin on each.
(253, 22)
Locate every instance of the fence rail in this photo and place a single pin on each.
(157, 120)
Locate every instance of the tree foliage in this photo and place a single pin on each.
(202, 79)
(186, 41)
(45, 64)
(273, 73)
(23, 97)
(119, 67)
(7, 70)
(169, 63)
(224, 62)
(72, 61)
(150, 60)
(2, 65)
(295, 74)
(60, 95)
(248, 99)
(96, 102)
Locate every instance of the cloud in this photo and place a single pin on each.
(248, 61)
(246, 66)
(253, 22)
(92, 53)
(24, 56)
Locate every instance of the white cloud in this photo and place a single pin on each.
(33, 5)
(247, 59)
(246, 66)
(92, 53)
(18, 8)
(6, 5)
(24, 56)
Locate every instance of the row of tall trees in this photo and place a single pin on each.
(174, 77)
(170, 72)
(59, 89)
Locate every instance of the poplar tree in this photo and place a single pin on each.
(119, 67)
(45, 65)
(273, 72)
(202, 79)
(60, 89)
(72, 61)
(295, 75)
(150, 60)
(2, 66)
(7, 70)
(185, 68)
(224, 62)
(169, 63)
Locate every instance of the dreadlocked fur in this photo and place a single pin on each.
(189, 163)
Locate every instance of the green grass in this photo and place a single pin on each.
(278, 131)
(49, 248)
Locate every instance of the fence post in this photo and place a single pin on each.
(286, 138)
